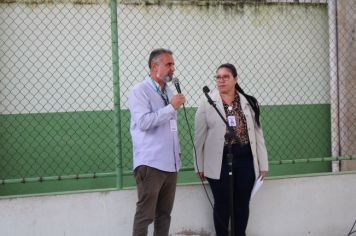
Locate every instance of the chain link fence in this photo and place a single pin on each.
(57, 89)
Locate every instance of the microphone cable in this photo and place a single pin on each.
(196, 161)
(176, 83)
(195, 156)
(352, 228)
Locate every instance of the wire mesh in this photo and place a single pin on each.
(56, 90)
(56, 82)
(280, 50)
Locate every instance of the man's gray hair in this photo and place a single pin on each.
(156, 53)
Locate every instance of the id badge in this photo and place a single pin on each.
(231, 120)
(173, 124)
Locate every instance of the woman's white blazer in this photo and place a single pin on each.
(209, 137)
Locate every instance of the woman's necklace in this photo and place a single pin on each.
(229, 105)
(229, 108)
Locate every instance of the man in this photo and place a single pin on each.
(156, 150)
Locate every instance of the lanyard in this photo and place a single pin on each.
(163, 94)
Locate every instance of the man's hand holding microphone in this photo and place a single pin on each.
(179, 99)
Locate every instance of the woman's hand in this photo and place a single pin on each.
(263, 174)
(201, 175)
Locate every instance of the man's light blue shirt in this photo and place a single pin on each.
(155, 141)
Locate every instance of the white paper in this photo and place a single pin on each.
(257, 186)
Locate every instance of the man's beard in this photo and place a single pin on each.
(167, 78)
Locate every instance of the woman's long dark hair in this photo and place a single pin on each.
(251, 100)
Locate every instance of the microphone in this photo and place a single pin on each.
(206, 90)
(176, 84)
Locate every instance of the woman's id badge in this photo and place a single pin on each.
(232, 121)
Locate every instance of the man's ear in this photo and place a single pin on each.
(154, 65)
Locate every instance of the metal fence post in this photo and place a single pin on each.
(116, 89)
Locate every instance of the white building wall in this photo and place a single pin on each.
(317, 206)
(57, 58)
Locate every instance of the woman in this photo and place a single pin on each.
(247, 145)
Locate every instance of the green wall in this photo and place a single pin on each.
(53, 144)
(77, 143)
